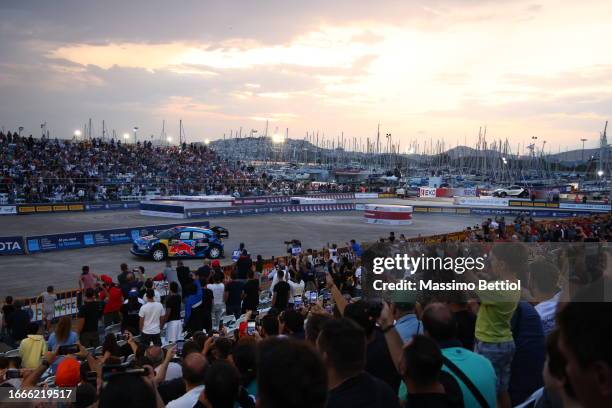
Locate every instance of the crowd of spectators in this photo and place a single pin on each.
(44, 170)
(307, 335)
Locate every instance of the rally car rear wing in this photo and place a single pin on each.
(220, 232)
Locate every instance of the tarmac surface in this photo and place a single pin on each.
(28, 275)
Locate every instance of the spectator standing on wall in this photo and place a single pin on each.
(48, 300)
(86, 280)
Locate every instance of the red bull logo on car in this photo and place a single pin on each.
(182, 249)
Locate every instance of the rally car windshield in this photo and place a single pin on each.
(166, 234)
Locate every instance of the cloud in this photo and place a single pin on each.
(443, 68)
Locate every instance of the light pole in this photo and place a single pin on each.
(20, 128)
(583, 140)
(135, 129)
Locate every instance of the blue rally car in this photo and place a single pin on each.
(182, 242)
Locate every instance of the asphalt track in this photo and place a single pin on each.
(28, 275)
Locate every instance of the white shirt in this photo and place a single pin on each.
(358, 278)
(156, 297)
(217, 290)
(297, 289)
(188, 400)
(151, 312)
(276, 279)
(547, 311)
(173, 371)
(333, 254)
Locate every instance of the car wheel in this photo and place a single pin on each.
(159, 254)
(502, 194)
(214, 252)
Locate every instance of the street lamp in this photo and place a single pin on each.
(135, 129)
(583, 140)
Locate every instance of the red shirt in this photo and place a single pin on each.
(115, 300)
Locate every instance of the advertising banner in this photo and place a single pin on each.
(366, 195)
(481, 201)
(595, 207)
(86, 239)
(11, 246)
(427, 192)
(8, 209)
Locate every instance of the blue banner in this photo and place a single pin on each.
(87, 239)
(123, 205)
(11, 246)
(533, 212)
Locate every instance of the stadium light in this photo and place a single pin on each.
(126, 136)
(600, 173)
(276, 138)
(169, 139)
(77, 133)
(207, 142)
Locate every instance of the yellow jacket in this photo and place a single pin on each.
(31, 349)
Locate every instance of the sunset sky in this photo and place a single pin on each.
(435, 69)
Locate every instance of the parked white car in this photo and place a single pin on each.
(511, 191)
